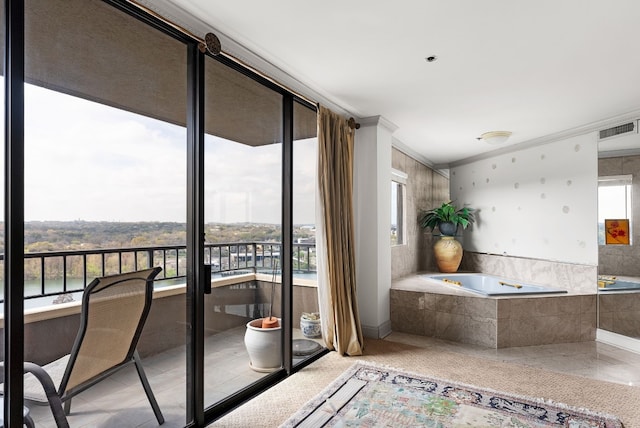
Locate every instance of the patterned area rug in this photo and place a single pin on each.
(369, 395)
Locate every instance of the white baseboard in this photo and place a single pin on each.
(379, 332)
(624, 342)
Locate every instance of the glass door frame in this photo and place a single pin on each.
(221, 408)
(14, 67)
(14, 71)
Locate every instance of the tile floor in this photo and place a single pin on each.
(589, 359)
(119, 401)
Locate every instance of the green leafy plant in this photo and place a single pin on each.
(447, 213)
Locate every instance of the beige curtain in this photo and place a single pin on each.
(341, 328)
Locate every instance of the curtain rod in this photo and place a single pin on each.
(211, 43)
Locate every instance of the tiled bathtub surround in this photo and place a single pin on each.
(620, 313)
(421, 308)
(425, 189)
(575, 278)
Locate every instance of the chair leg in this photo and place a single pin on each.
(67, 406)
(29, 422)
(147, 388)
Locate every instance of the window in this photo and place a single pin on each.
(614, 201)
(398, 203)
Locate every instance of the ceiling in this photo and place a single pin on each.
(537, 69)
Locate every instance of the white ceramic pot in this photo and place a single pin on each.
(264, 346)
(310, 328)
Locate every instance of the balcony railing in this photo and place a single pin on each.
(60, 272)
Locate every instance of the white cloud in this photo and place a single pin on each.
(87, 161)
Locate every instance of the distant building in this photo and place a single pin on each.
(311, 240)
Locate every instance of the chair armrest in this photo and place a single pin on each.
(44, 379)
(49, 389)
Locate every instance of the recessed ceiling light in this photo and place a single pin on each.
(431, 58)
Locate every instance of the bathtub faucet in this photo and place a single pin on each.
(510, 285)
(602, 283)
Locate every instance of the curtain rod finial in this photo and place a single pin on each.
(213, 44)
(353, 124)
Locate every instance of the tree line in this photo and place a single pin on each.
(46, 236)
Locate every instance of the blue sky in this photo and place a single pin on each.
(87, 161)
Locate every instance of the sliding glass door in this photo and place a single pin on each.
(260, 175)
(139, 150)
(105, 190)
(243, 224)
(307, 340)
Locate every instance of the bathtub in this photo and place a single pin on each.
(489, 285)
(617, 285)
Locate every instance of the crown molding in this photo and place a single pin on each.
(400, 146)
(551, 138)
(379, 121)
(619, 153)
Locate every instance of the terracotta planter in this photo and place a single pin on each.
(264, 346)
(448, 253)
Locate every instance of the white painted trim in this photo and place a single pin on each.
(551, 138)
(619, 153)
(379, 332)
(379, 121)
(399, 176)
(618, 340)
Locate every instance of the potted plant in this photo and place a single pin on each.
(263, 337)
(263, 341)
(447, 218)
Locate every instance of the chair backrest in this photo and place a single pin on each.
(114, 310)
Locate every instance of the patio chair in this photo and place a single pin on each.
(114, 310)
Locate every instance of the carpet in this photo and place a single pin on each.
(271, 408)
(372, 395)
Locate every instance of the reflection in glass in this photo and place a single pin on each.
(307, 338)
(243, 214)
(105, 170)
(614, 201)
(618, 268)
(397, 213)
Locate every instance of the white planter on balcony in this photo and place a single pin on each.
(310, 325)
(264, 346)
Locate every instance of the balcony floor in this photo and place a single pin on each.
(119, 401)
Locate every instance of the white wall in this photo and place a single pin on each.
(372, 205)
(539, 202)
